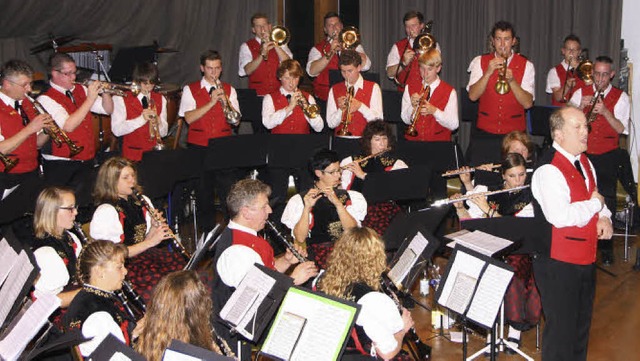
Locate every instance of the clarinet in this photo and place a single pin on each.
(131, 301)
(172, 236)
(80, 233)
(286, 243)
(418, 349)
(223, 345)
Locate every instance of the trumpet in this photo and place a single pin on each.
(58, 136)
(154, 128)
(8, 162)
(411, 131)
(344, 132)
(591, 115)
(310, 110)
(116, 89)
(131, 301)
(174, 238)
(446, 201)
(502, 86)
(349, 37)
(230, 113)
(362, 160)
(278, 35)
(329, 53)
(454, 172)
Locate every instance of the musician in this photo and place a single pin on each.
(500, 114)
(611, 119)
(55, 248)
(402, 54)
(21, 132)
(324, 56)
(438, 102)
(318, 216)
(95, 310)
(575, 216)
(165, 321)
(240, 247)
(366, 103)
(121, 218)
(70, 105)
(259, 57)
(136, 117)
(563, 79)
(377, 145)
(353, 273)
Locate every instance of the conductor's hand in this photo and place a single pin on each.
(605, 228)
(599, 197)
(303, 272)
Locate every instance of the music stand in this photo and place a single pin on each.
(21, 201)
(468, 109)
(112, 348)
(540, 122)
(251, 107)
(242, 151)
(405, 225)
(179, 350)
(398, 185)
(280, 154)
(160, 170)
(411, 258)
(126, 59)
(524, 231)
(484, 150)
(345, 147)
(392, 107)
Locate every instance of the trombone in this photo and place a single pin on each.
(411, 131)
(570, 73)
(349, 37)
(58, 136)
(329, 53)
(8, 162)
(422, 43)
(346, 117)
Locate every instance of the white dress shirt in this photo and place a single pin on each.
(393, 58)
(448, 117)
(105, 223)
(121, 126)
(620, 110)
(188, 103)
(370, 113)
(380, 319)
(245, 56)
(528, 83)
(314, 55)
(553, 80)
(272, 118)
(235, 262)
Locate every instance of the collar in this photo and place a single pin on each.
(284, 92)
(240, 227)
(359, 83)
(205, 84)
(432, 85)
(572, 158)
(9, 101)
(606, 90)
(98, 291)
(59, 88)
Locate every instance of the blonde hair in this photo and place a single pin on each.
(106, 189)
(181, 309)
(97, 254)
(430, 57)
(45, 216)
(357, 256)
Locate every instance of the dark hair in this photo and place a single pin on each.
(145, 72)
(329, 15)
(512, 160)
(571, 37)
(258, 16)
(321, 160)
(16, 67)
(293, 66)
(209, 55)
(57, 59)
(350, 57)
(376, 127)
(503, 26)
(243, 193)
(413, 14)
(604, 59)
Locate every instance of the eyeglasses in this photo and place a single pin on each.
(68, 73)
(23, 86)
(70, 208)
(333, 172)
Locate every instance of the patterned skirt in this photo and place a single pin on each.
(379, 216)
(319, 253)
(522, 307)
(146, 269)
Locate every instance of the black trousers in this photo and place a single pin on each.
(567, 292)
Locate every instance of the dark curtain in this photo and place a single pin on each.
(462, 28)
(190, 26)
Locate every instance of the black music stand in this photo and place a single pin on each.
(242, 151)
(21, 201)
(484, 150)
(160, 170)
(110, 347)
(398, 185)
(345, 147)
(540, 122)
(392, 106)
(421, 259)
(405, 225)
(523, 231)
(468, 109)
(178, 349)
(251, 108)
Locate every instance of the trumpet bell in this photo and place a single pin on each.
(585, 71)
(344, 132)
(502, 87)
(423, 43)
(311, 110)
(349, 37)
(280, 35)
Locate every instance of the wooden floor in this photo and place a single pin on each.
(615, 328)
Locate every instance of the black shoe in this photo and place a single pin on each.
(607, 258)
(508, 350)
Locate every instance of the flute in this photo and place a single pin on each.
(446, 201)
(459, 171)
(367, 158)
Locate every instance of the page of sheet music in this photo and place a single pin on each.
(481, 242)
(489, 295)
(8, 258)
(28, 326)
(470, 267)
(16, 279)
(244, 302)
(408, 258)
(288, 329)
(119, 356)
(326, 328)
(463, 286)
(171, 355)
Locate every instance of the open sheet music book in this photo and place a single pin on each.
(479, 241)
(19, 275)
(408, 258)
(310, 326)
(474, 285)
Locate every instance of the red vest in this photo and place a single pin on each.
(411, 74)
(296, 123)
(429, 130)
(602, 137)
(213, 123)
(27, 152)
(575, 245)
(562, 75)
(259, 245)
(83, 135)
(358, 121)
(321, 82)
(138, 141)
(501, 114)
(264, 79)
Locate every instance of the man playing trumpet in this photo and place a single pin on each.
(431, 106)
(259, 57)
(141, 119)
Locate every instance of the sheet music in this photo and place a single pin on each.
(408, 258)
(28, 326)
(480, 242)
(171, 355)
(16, 279)
(119, 356)
(288, 329)
(463, 287)
(489, 295)
(8, 258)
(469, 267)
(243, 303)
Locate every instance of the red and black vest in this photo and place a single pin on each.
(264, 79)
(138, 141)
(213, 123)
(411, 74)
(83, 135)
(258, 244)
(602, 138)
(10, 124)
(562, 75)
(429, 130)
(358, 121)
(296, 122)
(501, 114)
(575, 245)
(321, 82)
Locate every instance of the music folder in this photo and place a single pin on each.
(412, 257)
(248, 150)
(181, 351)
(398, 185)
(524, 231)
(111, 348)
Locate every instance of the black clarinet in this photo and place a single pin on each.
(131, 301)
(286, 243)
(80, 233)
(418, 349)
(223, 345)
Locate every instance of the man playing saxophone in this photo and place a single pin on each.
(140, 119)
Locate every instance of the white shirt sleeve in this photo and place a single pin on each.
(270, 117)
(529, 79)
(334, 114)
(53, 272)
(187, 102)
(553, 81)
(576, 98)
(105, 224)
(347, 176)
(407, 108)
(621, 111)
(235, 262)
(119, 124)
(98, 325)
(244, 58)
(449, 117)
(293, 212)
(358, 206)
(393, 58)
(475, 71)
(233, 98)
(367, 64)
(474, 210)
(316, 123)
(380, 319)
(57, 111)
(314, 55)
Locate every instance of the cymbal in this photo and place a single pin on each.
(166, 50)
(47, 45)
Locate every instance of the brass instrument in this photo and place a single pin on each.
(411, 131)
(131, 301)
(585, 68)
(502, 86)
(349, 37)
(344, 132)
(279, 35)
(570, 72)
(591, 116)
(116, 89)
(8, 162)
(230, 113)
(310, 110)
(362, 160)
(446, 201)
(58, 136)
(425, 40)
(454, 172)
(329, 53)
(172, 236)
(154, 127)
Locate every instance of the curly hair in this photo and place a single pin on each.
(357, 256)
(376, 127)
(96, 254)
(106, 188)
(180, 309)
